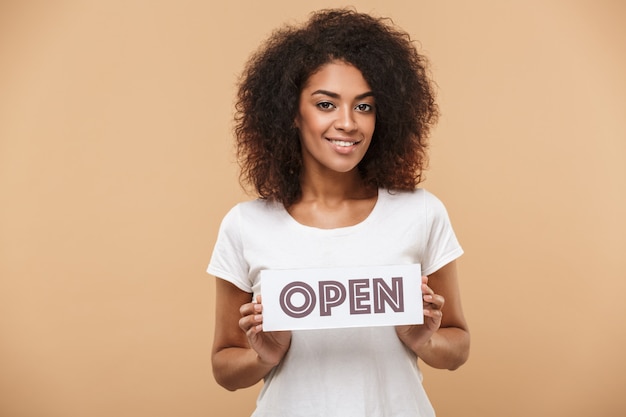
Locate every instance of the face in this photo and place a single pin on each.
(336, 118)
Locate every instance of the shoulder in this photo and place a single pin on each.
(258, 209)
(254, 212)
(418, 206)
(418, 198)
(251, 207)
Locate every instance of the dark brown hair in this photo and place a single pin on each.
(268, 146)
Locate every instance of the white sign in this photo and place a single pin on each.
(324, 298)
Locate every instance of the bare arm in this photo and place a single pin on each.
(242, 353)
(443, 340)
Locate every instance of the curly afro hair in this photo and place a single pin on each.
(267, 141)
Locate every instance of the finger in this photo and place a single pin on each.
(434, 301)
(250, 308)
(435, 315)
(251, 324)
(246, 309)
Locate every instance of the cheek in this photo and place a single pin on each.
(370, 127)
(313, 123)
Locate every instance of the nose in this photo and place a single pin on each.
(345, 120)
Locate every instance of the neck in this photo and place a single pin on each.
(334, 200)
(334, 187)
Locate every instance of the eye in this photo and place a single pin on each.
(325, 105)
(364, 107)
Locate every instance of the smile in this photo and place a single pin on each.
(343, 143)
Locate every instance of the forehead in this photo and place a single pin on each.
(337, 76)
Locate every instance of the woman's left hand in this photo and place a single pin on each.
(416, 336)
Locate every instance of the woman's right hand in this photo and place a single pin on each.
(270, 347)
(242, 354)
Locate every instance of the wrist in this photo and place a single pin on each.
(423, 349)
(266, 364)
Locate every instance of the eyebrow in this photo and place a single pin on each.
(335, 95)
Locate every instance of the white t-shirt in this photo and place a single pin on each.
(360, 372)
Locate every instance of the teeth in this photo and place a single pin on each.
(342, 143)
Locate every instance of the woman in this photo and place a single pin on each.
(331, 127)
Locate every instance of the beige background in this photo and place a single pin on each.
(116, 168)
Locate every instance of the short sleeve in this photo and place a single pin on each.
(227, 261)
(442, 246)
